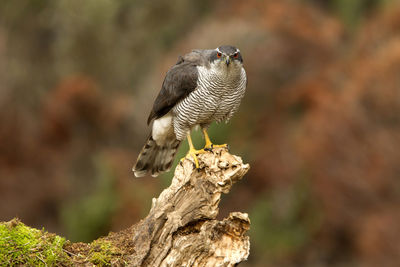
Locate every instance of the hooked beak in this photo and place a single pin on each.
(228, 60)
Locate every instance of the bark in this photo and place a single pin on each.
(181, 228)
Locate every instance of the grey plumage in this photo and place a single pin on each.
(204, 86)
(155, 158)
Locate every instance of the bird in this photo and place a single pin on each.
(202, 87)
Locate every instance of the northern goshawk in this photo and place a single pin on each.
(202, 87)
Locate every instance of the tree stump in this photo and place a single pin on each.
(181, 228)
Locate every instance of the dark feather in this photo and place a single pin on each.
(155, 158)
(179, 82)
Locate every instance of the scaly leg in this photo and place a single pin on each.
(192, 151)
(209, 145)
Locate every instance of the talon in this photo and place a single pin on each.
(212, 146)
(221, 146)
(193, 152)
(209, 146)
(196, 161)
(209, 149)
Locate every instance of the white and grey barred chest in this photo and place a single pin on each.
(216, 98)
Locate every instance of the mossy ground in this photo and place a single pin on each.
(23, 245)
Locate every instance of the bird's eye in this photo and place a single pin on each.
(236, 55)
(219, 55)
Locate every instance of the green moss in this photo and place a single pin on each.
(26, 246)
(103, 252)
(22, 245)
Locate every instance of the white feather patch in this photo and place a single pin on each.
(162, 129)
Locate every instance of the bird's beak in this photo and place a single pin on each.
(228, 60)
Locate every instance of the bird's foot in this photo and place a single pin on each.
(211, 146)
(193, 153)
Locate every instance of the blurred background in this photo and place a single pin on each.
(319, 124)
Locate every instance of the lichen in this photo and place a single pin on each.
(23, 245)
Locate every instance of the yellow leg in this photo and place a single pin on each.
(209, 145)
(192, 151)
(207, 138)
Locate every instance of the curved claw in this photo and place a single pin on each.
(193, 153)
(194, 156)
(209, 149)
(211, 146)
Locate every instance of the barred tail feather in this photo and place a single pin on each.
(155, 158)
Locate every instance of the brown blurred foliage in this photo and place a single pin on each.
(336, 121)
(319, 124)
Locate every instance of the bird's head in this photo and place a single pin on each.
(227, 56)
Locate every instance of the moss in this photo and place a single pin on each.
(23, 245)
(104, 253)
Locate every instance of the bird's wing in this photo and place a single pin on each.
(179, 82)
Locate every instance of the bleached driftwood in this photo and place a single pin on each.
(181, 228)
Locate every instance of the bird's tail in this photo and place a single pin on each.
(155, 158)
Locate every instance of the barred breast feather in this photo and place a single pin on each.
(216, 98)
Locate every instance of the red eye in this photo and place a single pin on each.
(236, 55)
(219, 55)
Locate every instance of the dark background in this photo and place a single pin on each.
(319, 125)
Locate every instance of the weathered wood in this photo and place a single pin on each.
(181, 228)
